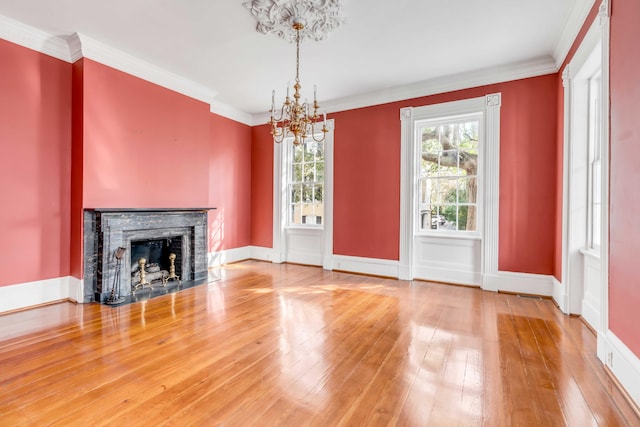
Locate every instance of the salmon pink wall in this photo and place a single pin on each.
(77, 169)
(35, 136)
(624, 208)
(229, 184)
(144, 145)
(367, 176)
(261, 187)
(528, 169)
(366, 195)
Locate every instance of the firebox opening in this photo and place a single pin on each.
(160, 258)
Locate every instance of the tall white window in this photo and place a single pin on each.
(448, 173)
(305, 183)
(303, 200)
(595, 175)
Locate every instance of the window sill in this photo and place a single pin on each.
(304, 227)
(471, 235)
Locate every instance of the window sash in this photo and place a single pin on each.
(301, 211)
(452, 176)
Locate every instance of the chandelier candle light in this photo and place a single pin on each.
(295, 118)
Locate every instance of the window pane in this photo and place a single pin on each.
(448, 190)
(318, 193)
(296, 215)
(310, 149)
(434, 189)
(307, 213)
(449, 162)
(296, 192)
(306, 178)
(297, 173)
(320, 171)
(467, 218)
(438, 218)
(309, 172)
(467, 190)
(297, 153)
(447, 181)
(429, 168)
(307, 192)
(423, 191)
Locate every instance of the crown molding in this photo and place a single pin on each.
(77, 46)
(114, 58)
(483, 77)
(230, 112)
(574, 23)
(34, 39)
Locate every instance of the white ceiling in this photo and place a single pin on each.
(382, 46)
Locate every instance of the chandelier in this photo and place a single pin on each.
(295, 118)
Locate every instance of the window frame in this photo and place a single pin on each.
(289, 150)
(489, 214)
(594, 193)
(435, 119)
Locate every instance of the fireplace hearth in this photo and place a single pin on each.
(162, 248)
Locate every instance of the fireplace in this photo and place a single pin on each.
(123, 246)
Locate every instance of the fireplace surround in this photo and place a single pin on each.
(106, 230)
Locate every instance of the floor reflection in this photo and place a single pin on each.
(302, 351)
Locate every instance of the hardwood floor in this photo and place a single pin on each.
(290, 345)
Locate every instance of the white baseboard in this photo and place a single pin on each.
(623, 364)
(373, 266)
(560, 295)
(447, 275)
(261, 253)
(305, 258)
(519, 283)
(216, 259)
(24, 295)
(591, 312)
(76, 289)
(535, 284)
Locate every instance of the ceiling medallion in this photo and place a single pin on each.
(276, 16)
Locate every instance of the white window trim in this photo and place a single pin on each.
(489, 189)
(280, 221)
(569, 295)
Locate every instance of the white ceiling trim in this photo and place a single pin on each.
(72, 48)
(483, 77)
(34, 39)
(576, 19)
(107, 55)
(80, 46)
(229, 112)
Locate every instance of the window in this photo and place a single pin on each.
(305, 183)
(595, 175)
(448, 173)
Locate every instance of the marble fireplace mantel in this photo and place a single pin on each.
(107, 229)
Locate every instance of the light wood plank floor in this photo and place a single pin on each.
(291, 345)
